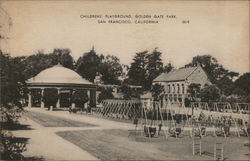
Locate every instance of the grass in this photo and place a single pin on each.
(116, 145)
(53, 121)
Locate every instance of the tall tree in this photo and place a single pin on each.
(88, 65)
(110, 70)
(12, 80)
(154, 66)
(137, 73)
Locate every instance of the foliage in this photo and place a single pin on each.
(137, 73)
(12, 80)
(34, 64)
(12, 146)
(194, 91)
(110, 69)
(243, 84)
(88, 65)
(11, 113)
(50, 97)
(64, 57)
(106, 93)
(12, 87)
(157, 91)
(210, 93)
(168, 68)
(145, 68)
(154, 67)
(226, 85)
(80, 97)
(214, 70)
(129, 92)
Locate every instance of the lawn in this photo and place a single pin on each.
(116, 145)
(53, 121)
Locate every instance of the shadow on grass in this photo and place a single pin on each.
(14, 126)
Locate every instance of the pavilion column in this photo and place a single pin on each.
(42, 94)
(72, 103)
(58, 100)
(93, 98)
(29, 99)
(164, 100)
(88, 93)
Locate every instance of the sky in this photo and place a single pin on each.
(218, 28)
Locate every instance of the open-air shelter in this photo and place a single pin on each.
(65, 80)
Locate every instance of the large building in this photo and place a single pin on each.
(177, 81)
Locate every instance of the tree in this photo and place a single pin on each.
(226, 83)
(194, 91)
(106, 93)
(80, 97)
(12, 80)
(242, 83)
(145, 68)
(137, 72)
(210, 93)
(129, 92)
(168, 68)
(50, 97)
(154, 66)
(110, 70)
(157, 91)
(210, 65)
(88, 65)
(64, 57)
(34, 64)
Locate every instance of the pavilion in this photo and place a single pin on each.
(65, 80)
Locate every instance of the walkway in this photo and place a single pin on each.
(45, 143)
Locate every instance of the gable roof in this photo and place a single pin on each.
(175, 75)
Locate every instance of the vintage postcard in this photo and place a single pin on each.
(124, 80)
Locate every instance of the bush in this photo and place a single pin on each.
(106, 93)
(210, 93)
(80, 97)
(50, 97)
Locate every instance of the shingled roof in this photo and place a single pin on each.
(175, 75)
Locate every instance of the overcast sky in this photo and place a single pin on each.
(220, 29)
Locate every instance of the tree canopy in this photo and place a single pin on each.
(145, 68)
(111, 70)
(243, 84)
(88, 65)
(217, 74)
(34, 64)
(12, 79)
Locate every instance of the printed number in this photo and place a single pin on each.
(185, 21)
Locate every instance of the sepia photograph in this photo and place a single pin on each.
(124, 80)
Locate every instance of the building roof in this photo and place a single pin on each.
(58, 75)
(175, 75)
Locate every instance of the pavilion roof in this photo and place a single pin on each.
(58, 75)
